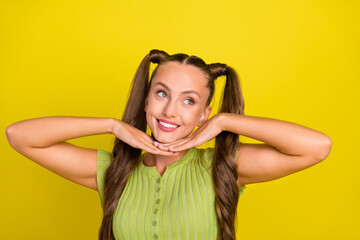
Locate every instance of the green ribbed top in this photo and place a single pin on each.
(178, 205)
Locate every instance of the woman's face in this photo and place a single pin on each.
(176, 101)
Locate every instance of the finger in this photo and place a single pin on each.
(158, 151)
(162, 151)
(193, 142)
(159, 146)
(150, 140)
(167, 149)
(176, 143)
(163, 148)
(150, 144)
(169, 144)
(155, 146)
(168, 153)
(182, 147)
(149, 147)
(166, 144)
(180, 143)
(179, 140)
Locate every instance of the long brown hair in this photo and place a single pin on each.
(126, 158)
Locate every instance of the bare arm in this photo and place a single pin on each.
(47, 131)
(43, 140)
(288, 147)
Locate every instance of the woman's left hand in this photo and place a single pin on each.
(206, 131)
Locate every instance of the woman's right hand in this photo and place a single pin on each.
(137, 138)
(43, 140)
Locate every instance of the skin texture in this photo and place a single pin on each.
(170, 99)
(287, 148)
(178, 94)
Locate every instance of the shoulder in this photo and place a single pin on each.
(103, 161)
(204, 156)
(205, 153)
(104, 158)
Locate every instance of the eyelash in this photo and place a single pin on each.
(157, 93)
(192, 100)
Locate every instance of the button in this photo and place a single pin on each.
(157, 201)
(155, 210)
(158, 189)
(155, 236)
(154, 223)
(158, 180)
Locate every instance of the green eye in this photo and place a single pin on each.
(161, 94)
(189, 101)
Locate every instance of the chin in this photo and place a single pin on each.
(165, 139)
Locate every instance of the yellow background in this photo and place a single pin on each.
(297, 60)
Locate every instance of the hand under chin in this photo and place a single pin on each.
(164, 141)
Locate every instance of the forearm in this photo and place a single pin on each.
(47, 131)
(287, 137)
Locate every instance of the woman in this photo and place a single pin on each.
(172, 189)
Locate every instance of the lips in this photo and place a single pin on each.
(167, 126)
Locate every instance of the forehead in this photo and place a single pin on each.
(178, 75)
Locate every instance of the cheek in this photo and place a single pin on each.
(152, 106)
(192, 117)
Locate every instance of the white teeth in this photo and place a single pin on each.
(167, 125)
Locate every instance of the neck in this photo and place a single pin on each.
(161, 161)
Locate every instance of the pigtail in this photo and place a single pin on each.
(126, 158)
(226, 144)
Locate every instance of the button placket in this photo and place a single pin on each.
(155, 214)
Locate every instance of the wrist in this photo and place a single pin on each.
(221, 118)
(224, 121)
(111, 125)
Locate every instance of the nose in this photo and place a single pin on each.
(170, 109)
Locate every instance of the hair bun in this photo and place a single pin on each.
(158, 56)
(217, 69)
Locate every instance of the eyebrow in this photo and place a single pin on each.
(184, 92)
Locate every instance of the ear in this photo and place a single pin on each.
(204, 117)
(146, 104)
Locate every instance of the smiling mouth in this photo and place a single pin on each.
(167, 125)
